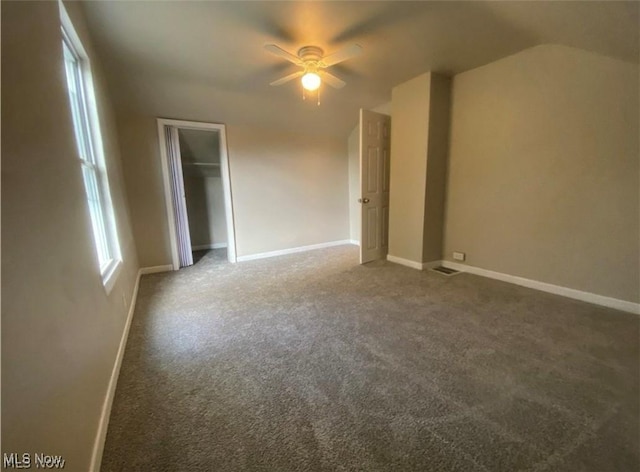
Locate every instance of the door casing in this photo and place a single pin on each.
(225, 173)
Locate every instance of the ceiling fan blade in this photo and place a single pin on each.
(287, 78)
(278, 51)
(333, 80)
(342, 55)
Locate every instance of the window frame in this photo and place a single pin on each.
(90, 152)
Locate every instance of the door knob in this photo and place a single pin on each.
(363, 200)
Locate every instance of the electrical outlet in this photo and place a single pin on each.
(459, 256)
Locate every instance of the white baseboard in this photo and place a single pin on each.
(101, 436)
(589, 297)
(404, 262)
(209, 246)
(292, 250)
(354, 242)
(156, 269)
(413, 264)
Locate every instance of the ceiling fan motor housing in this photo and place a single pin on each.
(311, 56)
(313, 62)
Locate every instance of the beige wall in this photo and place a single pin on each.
(60, 331)
(215, 202)
(419, 148)
(384, 108)
(544, 170)
(437, 155)
(205, 206)
(289, 190)
(409, 137)
(143, 177)
(300, 199)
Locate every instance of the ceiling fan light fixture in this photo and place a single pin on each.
(312, 61)
(311, 81)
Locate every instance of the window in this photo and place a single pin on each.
(91, 159)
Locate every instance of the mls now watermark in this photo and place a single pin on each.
(26, 460)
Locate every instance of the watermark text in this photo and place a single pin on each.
(26, 460)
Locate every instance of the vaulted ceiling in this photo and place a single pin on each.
(205, 60)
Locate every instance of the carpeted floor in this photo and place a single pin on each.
(310, 362)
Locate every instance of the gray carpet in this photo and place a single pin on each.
(310, 362)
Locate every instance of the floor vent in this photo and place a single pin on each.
(445, 271)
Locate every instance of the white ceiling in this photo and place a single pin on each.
(205, 60)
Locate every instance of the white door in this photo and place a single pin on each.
(375, 147)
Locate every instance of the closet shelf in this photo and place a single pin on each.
(201, 164)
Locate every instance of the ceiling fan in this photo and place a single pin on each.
(313, 62)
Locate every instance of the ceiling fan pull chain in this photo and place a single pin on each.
(318, 97)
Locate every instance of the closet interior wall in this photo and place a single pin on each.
(200, 152)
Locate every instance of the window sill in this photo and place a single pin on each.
(110, 274)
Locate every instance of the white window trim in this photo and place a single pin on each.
(112, 269)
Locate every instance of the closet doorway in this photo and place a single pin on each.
(197, 189)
